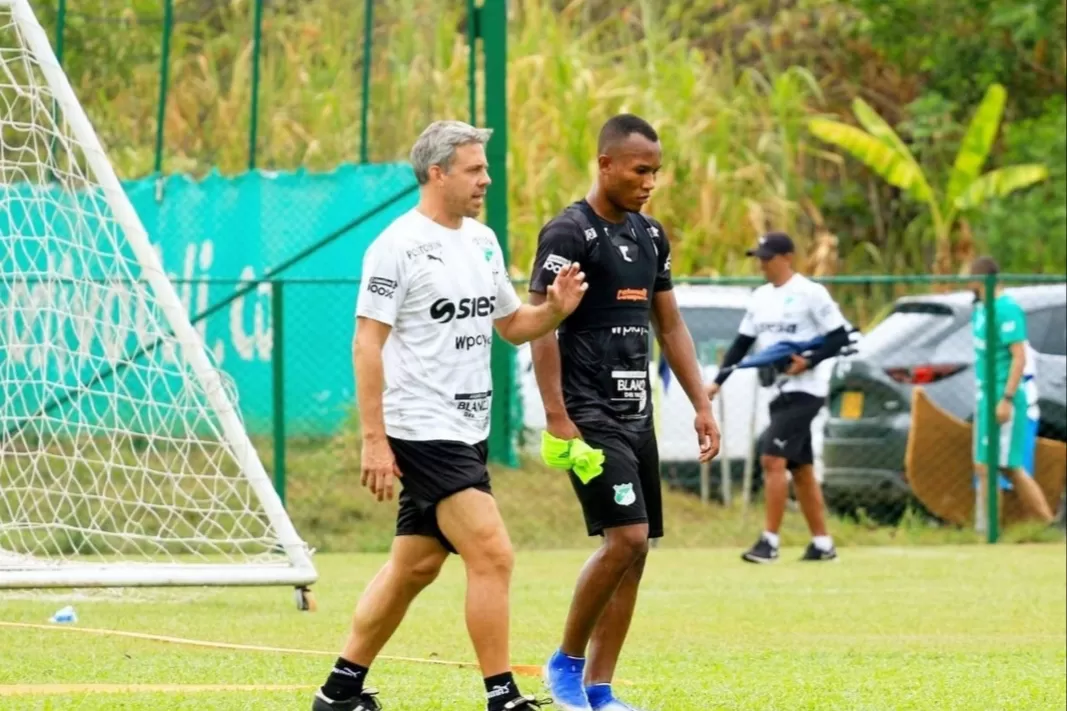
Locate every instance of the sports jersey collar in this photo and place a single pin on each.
(789, 281)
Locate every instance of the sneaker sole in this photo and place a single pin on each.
(756, 559)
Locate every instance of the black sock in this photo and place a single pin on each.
(345, 681)
(500, 689)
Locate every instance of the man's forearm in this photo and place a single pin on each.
(681, 356)
(734, 355)
(1015, 375)
(370, 380)
(531, 321)
(548, 372)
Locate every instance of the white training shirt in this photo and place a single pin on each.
(799, 310)
(440, 289)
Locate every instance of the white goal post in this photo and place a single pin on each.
(123, 459)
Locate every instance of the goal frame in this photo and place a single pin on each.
(298, 570)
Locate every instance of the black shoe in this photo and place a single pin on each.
(813, 552)
(762, 552)
(526, 703)
(364, 702)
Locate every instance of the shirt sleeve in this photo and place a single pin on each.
(507, 301)
(560, 243)
(1012, 324)
(825, 312)
(383, 285)
(748, 325)
(663, 272)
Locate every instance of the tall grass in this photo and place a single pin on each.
(737, 160)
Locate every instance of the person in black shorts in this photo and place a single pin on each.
(789, 309)
(594, 385)
(433, 290)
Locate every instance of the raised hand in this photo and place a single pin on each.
(567, 290)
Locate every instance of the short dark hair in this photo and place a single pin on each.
(984, 266)
(620, 127)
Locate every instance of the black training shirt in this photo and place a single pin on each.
(604, 344)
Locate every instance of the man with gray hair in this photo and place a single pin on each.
(434, 287)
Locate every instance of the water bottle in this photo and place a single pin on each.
(66, 615)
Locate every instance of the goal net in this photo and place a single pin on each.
(123, 459)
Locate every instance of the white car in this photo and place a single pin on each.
(713, 314)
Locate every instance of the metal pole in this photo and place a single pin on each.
(164, 76)
(493, 29)
(253, 129)
(277, 361)
(368, 39)
(725, 470)
(989, 400)
(61, 23)
(472, 61)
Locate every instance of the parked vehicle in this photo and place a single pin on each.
(925, 341)
(713, 314)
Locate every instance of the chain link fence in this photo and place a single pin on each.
(894, 443)
(895, 438)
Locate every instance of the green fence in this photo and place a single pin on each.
(893, 444)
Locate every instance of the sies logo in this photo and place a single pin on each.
(631, 295)
(444, 310)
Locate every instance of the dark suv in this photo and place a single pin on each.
(925, 340)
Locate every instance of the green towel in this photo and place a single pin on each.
(574, 455)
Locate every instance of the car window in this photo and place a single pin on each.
(910, 326)
(713, 329)
(1047, 330)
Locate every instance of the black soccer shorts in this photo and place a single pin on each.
(789, 433)
(432, 471)
(628, 491)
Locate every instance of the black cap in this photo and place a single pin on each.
(771, 245)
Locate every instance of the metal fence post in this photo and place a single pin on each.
(989, 400)
(368, 39)
(164, 76)
(493, 28)
(61, 23)
(472, 62)
(253, 120)
(277, 362)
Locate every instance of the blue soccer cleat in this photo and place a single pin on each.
(601, 699)
(564, 679)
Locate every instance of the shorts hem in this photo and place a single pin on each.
(598, 529)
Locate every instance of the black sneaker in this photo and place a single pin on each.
(526, 703)
(762, 552)
(364, 702)
(813, 552)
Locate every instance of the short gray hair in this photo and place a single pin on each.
(438, 143)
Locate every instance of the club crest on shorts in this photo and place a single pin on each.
(624, 494)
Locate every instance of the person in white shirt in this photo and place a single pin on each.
(434, 287)
(790, 310)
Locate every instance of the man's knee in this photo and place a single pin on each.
(628, 543)
(773, 467)
(416, 574)
(489, 551)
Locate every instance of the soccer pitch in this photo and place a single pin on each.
(955, 627)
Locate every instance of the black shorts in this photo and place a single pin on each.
(434, 470)
(789, 433)
(628, 490)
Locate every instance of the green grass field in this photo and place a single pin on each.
(924, 627)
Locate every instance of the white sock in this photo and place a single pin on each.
(823, 543)
(771, 538)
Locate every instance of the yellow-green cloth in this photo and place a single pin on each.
(572, 455)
